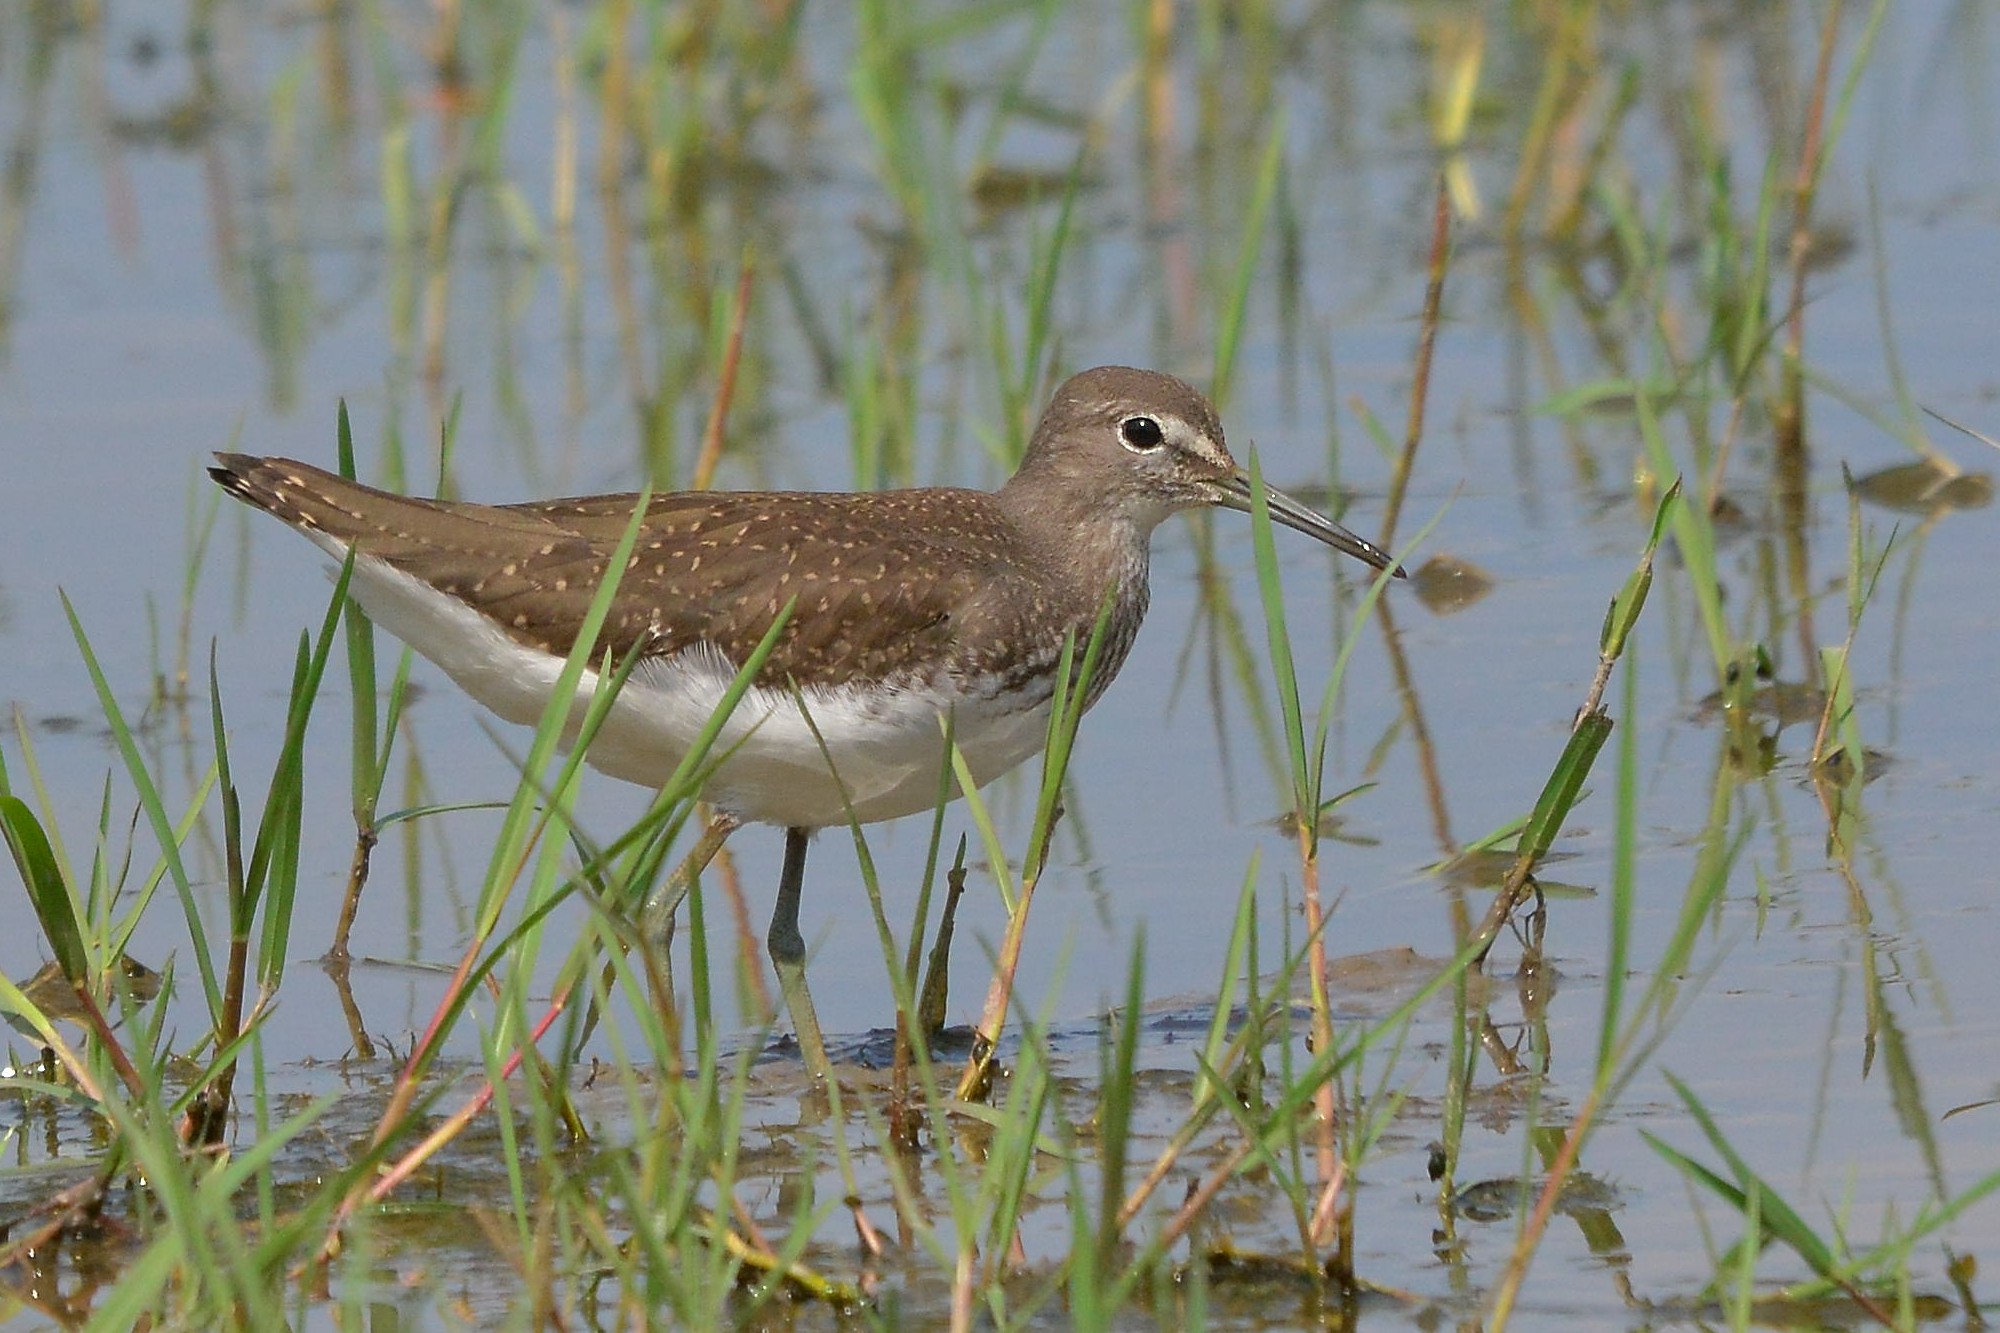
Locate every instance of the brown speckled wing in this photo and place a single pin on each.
(886, 584)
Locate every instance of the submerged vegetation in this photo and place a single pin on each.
(699, 231)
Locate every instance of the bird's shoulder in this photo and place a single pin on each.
(875, 585)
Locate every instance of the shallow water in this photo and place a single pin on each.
(197, 255)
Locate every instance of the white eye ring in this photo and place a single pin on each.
(1141, 434)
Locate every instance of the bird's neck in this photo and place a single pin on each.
(1099, 541)
(1092, 550)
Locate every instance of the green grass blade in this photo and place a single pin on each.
(47, 890)
(154, 808)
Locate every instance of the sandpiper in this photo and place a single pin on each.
(906, 606)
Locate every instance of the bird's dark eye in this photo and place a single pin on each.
(1141, 433)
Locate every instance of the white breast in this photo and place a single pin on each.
(886, 746)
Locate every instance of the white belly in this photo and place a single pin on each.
(887, 748)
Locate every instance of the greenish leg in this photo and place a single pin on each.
(788, 955)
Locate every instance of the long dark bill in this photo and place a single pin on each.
(1234, 493)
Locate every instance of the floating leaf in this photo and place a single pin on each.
(1445, 584)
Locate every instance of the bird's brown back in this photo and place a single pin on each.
(887, 585)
